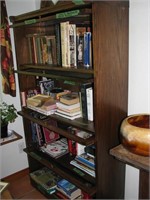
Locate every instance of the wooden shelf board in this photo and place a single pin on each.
(122, 154)
(15, 136)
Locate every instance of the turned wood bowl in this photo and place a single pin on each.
(135, 134)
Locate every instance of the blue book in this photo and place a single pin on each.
(87, 49)
(66, 186)
(86, 159)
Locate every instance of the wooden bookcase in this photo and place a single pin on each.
(109, 72)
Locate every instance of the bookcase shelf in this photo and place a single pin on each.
(64, 169)
(106, 71)
(56, 68)
(78, 123)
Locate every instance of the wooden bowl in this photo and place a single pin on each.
(135, 134)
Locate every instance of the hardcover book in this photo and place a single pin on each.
(72, 45)
(65, 51)
(42, 111)
(70, 99)
(58, 44)
(49, 135)
(84, 87)
(43, 104)
(80, 45)
(87, 49)
(38, 100)
(40, 134)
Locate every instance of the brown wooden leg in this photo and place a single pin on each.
(144, 185)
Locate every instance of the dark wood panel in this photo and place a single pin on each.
(144, 185)
(110, 43)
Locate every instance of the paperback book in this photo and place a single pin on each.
(86, 160)
(56, 148)
(46, 179)
(68, 188)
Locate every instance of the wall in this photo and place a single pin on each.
(139, 76)
(12, 160)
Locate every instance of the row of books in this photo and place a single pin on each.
(76, 148)
(76, 48)
(41, 135)
(70, 105)
(49, 140)
(73, 43)
(42, 48)
(51, 183)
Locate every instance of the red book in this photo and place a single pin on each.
(50, 135)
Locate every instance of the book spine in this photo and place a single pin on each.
(54, 51)
(79, 158)
(40, 135)
(80, 149)
(71, 143)
(58, 44)
(49, 51)
(89, 95)
(72, 45)
(40, 50)
(80, 45)
(87, 47)
(44, 50)
(65, 52)
(80, 53)
(23, 98)
(29, 47)
(34, 133)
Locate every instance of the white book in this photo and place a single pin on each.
(72, 45)
(64, 30)
(69, 114)
(42, 111)
(89, 95)
(65, 116)
(68, 107)
(80, 147)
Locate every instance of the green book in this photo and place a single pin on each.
(46, 178)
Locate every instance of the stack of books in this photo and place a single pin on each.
(69, 106)
(45, 179)
(85, 162)
(66, 190)
(43, 104)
